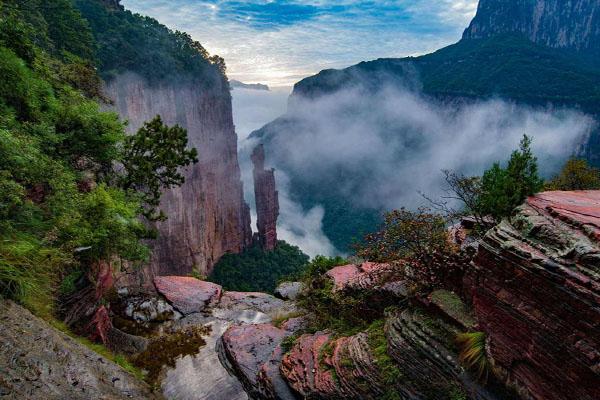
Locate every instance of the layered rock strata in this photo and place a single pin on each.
(267, 200)
(207, 215)
(536, 294)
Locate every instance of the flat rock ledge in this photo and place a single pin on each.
(187, 294)
(39, 362)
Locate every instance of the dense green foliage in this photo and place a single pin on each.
(152, 159)
(504, 189)
(577, 174)
(256, 270)
(128, 42)
(60, 207)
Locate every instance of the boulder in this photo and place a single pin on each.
(39, 362)
(535, 289)
(188, 295)
(288, 290)
(254, 353)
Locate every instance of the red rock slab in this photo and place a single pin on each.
(368, 275)
(580, 208)
(188, 295)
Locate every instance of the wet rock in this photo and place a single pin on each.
(39, 362)
(149, 309)
(235, 302)
(209, 374)
(288, 290)
(254, 353)
(188, 295)
(535, 289)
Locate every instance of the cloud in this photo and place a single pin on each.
(280, 42)
(382, 149)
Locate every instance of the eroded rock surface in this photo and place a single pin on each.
(536, 294)
(39, 362)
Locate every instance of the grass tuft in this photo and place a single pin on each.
(473, 354)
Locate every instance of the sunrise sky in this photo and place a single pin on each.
(280, 42)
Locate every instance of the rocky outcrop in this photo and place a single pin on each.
(38, 362)
(267, 200)
(555, 23)
(321, 367)
(188, 295)
(535, 290)
(207, 215)
(254, 354)
(385, 278)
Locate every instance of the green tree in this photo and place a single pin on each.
(503, 189)
(152, 159)
(577, 174)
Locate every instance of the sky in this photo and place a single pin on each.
(279, 42)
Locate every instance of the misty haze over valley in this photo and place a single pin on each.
(300, 199)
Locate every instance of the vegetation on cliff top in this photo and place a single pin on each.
(128, 42)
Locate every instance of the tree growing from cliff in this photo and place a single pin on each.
(152, 161)
(504, 189)
(577, 174)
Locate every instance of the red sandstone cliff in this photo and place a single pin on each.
(536, 295)
(267, 201)
(207, 216)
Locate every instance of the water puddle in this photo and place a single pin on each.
(202, 376)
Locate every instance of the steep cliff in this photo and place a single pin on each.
(267, 201)
(555, 23)
(536, 293)
(148, 70)
(207, 215)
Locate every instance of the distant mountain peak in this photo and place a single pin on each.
(255, 86)
(573, 24)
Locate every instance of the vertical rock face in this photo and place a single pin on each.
(207, 215)
(267, 201)
(556, 23)
(536, 295)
